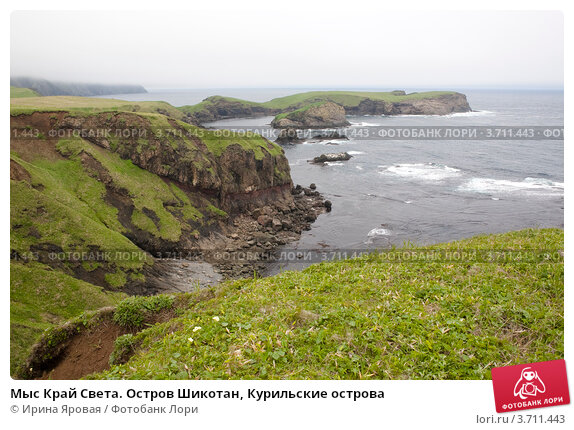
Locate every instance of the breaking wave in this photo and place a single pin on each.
(422, 171)
(538, 186)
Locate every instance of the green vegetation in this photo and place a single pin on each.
(345, 98)
(368, 318)
(123, 349)
(148, 191)
(87, 105)
(218, 141)
(301, 100)
(211, 102)
(62, 204)
(74, 197)
(211, 105)
(297, 114)
(132, 312)
(16, 93)
(40, 298)
(217, 211)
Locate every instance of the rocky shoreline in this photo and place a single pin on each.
(243, 246)
(233, 196)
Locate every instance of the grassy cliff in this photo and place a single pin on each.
(218, 107)
(88, 105)
(348, 98)
(367, 318)
(88, 211)
(354, 102)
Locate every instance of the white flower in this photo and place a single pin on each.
(196, 328)
(190, 339)
(216, 318)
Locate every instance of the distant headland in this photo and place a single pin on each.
(318, 109)
(57, 88)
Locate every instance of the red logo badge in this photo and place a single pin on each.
(529, 386)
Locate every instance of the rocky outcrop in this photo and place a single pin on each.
(291, 113)
(287, 136)
(324, 158)
(320, 115)
(253, 236)
(440, 105)
(213, 189)
(216, 108)
(239, 178)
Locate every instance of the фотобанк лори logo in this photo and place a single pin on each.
(529, 386)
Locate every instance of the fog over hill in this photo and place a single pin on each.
(56, 88)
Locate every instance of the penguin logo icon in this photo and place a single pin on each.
(529, 384)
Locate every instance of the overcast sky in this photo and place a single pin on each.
(351, 48)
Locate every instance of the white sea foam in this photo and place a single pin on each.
(334, 163)
(537, 186)
(355, 152)
(364, 124)
(422, 171)
(473, 113)
(378, 232)
(326, 142)
(455, 114)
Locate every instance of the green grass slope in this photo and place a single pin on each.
(89, 105)
(40, 298)
(346, 98)
(60, 206)
(296, 101)
(213, 101)
(16, 92)
(368, 318)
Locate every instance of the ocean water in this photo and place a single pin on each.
(427, 191)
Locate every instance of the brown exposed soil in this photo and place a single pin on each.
(17, 172)
(88, 350)
(86, 353)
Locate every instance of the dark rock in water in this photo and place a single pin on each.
(311, 217)
(310, 192)
(340, 156)
(329, 135)
(297, 190)
(328, 205)
(313, 186)
(288, 135)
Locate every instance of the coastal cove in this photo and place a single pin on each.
(180, 195)
(425, 192)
